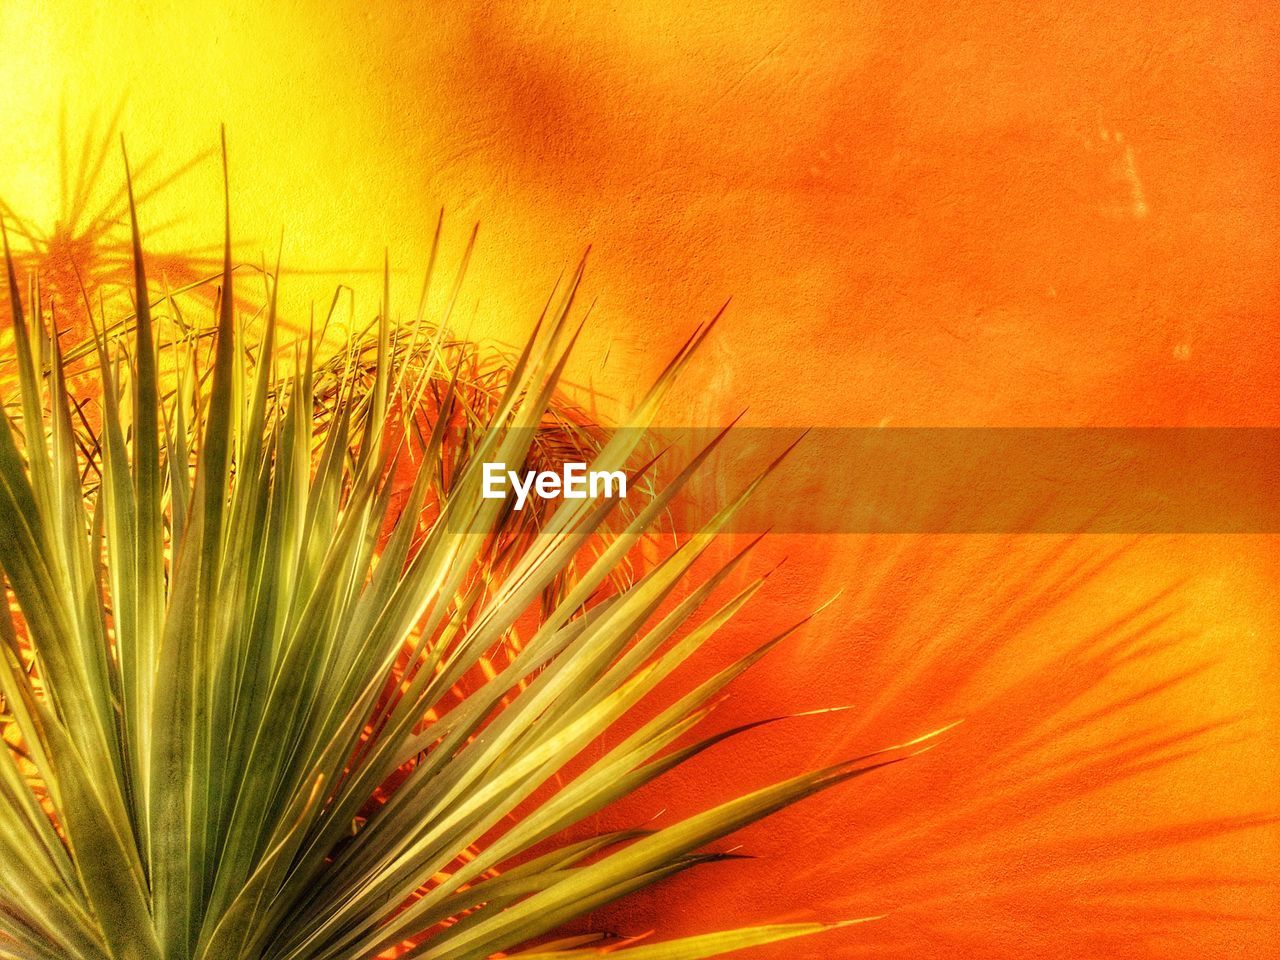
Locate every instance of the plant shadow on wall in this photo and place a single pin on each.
(264, 701)
(1051, 828)
(1087, 708)
(89, 240)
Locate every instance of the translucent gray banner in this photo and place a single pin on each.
(949, 480)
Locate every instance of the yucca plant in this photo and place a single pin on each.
(232, 656)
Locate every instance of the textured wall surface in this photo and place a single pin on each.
(974, 213)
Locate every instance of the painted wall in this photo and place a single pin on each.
(974, 213)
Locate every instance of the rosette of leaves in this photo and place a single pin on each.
(234, 639)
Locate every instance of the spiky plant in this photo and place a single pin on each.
(230, 659)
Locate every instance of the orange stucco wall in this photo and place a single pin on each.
(971, 213)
